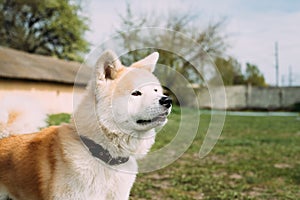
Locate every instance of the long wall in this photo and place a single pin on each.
(52, 97)
(58, 98)
(249, 97)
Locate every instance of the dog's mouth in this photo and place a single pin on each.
(160, 118)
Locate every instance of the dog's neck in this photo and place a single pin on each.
(118, 144)
(103, 154)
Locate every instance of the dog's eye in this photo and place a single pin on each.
(136, 93)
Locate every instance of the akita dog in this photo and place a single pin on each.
(93, 157)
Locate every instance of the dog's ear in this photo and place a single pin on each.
(148, 62)
(107, 65)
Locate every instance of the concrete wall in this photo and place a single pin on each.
(53, 97)
(264, 98)
(58, 98)
(249, 97)
(213, 97)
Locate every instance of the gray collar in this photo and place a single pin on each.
(103, 154)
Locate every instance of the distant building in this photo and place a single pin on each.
(46, 79)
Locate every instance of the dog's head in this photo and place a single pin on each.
(130, 98)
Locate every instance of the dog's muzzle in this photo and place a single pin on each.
(165, 101)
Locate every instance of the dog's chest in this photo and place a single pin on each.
(95, 181)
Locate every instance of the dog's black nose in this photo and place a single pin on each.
(165, 101)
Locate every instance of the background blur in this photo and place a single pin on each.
(250, 28)
(253, 46)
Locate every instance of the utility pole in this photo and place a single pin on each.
(290, 76)
(276, 64)
(282, 80)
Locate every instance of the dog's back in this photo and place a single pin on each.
(27, 163)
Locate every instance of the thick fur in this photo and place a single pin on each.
(20, 114)
(53, 164)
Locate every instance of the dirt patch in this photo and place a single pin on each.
(236, 176)
(283, 166)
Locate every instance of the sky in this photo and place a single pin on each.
(252, 28)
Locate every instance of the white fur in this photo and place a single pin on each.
(89, 178)
(30, 115)
(109, 118)
(149, 62)
(108, 114)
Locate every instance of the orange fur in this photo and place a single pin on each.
(28, 162)
(12, 117)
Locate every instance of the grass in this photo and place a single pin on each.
(57, 119)
(255, 158)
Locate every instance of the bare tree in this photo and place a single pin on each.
(178, 39)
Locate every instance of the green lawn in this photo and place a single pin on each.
(255, 158)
